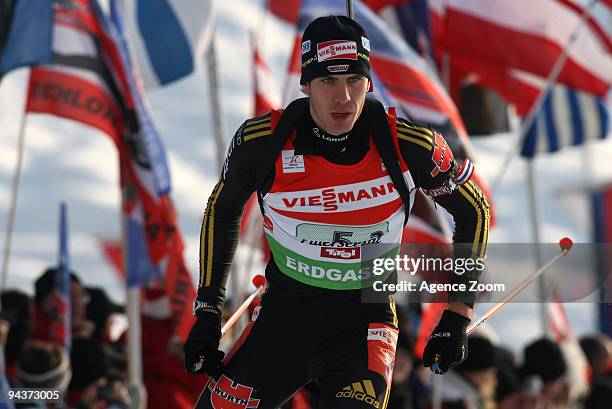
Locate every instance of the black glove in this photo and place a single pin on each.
(201, 348)
(447, 346)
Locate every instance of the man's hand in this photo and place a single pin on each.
(447, 346)
(201, 348)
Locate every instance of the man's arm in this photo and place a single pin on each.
(221, 224)
(218, 240)
(448, 181)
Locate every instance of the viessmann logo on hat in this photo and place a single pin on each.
(337, 49)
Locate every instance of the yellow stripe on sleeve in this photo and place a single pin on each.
(415, 140)
(257, 134)
(206, 237)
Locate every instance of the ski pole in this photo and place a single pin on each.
(565, 244)
(259, 282)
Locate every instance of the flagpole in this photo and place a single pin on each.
(134, 336)
(534, 214)
(215, 102)
(350, 11)
(552, 78)
(13, 202)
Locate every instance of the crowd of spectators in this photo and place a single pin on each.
(93, 374)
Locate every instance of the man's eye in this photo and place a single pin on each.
(328, 80)
(355, 80)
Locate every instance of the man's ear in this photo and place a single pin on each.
(305, 88)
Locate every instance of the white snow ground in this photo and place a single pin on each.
(65, 161)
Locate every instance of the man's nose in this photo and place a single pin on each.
(342, 93)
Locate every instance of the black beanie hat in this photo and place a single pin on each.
(100, 307)
(89, 363)
(544, 359)
(44, 285)
(481, 356)
(600, 395)
(334, 45)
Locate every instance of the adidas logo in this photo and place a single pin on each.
(362, 391)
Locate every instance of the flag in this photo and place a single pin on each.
(113, 254)
(287, 10)
(63, 283)
(91, 81)
(510, 37)
(267, 94)
(25, 36)
(168, 37)
(567, 118)
(409, 19)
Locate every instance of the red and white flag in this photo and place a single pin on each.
(267, 94)
(90, 81)
(490, 38)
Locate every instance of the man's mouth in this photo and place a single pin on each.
(341, 115)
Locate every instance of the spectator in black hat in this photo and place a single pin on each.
(90, 386)
(600, 396)
(596, 352)
(472, 383)
(99, 311)
(48, 306)
(509, 393)
(544, 361)
(43, 365)
(18, 311)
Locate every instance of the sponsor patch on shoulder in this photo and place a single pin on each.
(442, 156)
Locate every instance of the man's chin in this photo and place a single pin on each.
(337, 129)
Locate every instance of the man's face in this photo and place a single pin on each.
(336, 101)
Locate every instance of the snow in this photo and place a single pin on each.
(68, 162)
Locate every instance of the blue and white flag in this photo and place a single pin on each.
(168, 38)
(567, 118)
(28, 39)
